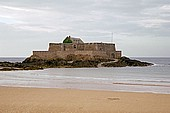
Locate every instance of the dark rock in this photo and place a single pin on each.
(86, 63)
(124, 61)
(36, 64)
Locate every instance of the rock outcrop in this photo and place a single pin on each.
(32, 63)
(124, 61)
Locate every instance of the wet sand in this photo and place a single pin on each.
(41, 100)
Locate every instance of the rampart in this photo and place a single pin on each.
(79, 51)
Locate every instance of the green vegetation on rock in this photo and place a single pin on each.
(67, 40)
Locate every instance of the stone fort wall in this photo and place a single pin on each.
(81, 50)
(88, 55)
(82, 47)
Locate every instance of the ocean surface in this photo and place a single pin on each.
(153, 79)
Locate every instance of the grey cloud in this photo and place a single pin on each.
(94, 20)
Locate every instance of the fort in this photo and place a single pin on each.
(76, 49)
(74, 53)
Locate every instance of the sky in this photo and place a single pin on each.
(139, 27)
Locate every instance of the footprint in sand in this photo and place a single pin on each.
(113, 98)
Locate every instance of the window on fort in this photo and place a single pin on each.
(113, 55)
(74, 46)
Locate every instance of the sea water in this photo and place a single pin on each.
(12, 59)
(153, 79)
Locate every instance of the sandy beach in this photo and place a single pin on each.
(41, 100)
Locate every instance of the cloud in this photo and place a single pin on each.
(15, 8)
(165, 8)
(27, 18)
(153, 23)
(94, 20)
(85, 15)
(155, 17)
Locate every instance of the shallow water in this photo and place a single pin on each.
(154, 79)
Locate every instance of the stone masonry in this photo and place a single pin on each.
(76, 49)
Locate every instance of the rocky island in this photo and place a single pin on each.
(35, 64)
(74, 53)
